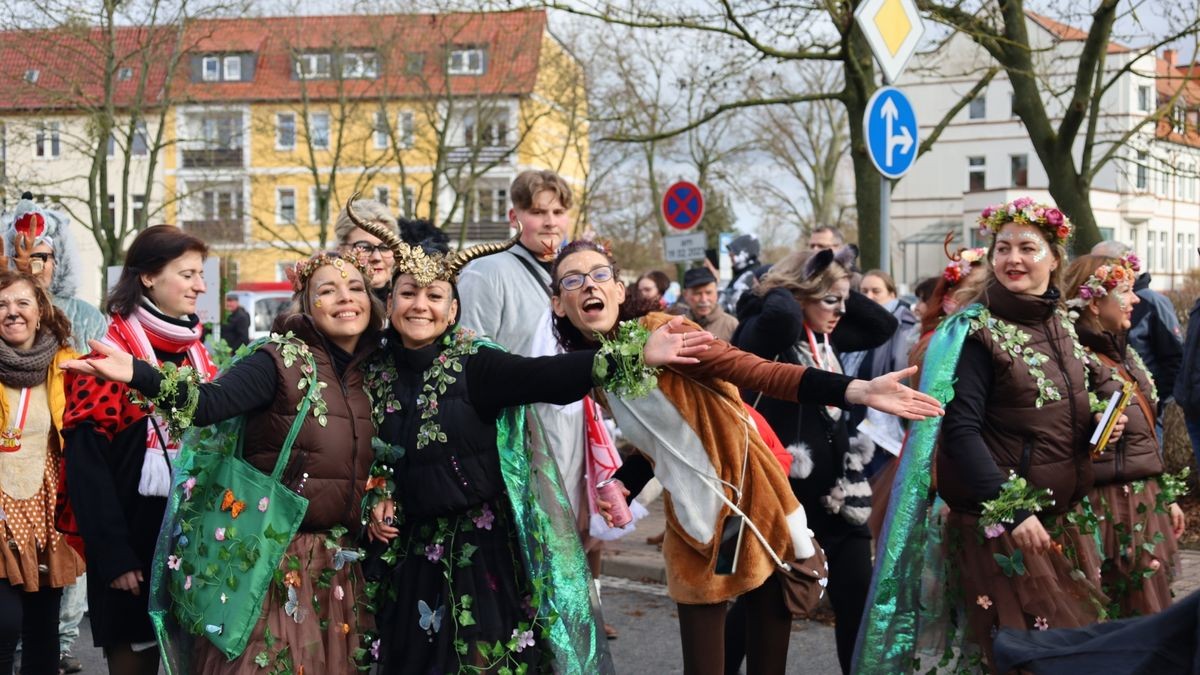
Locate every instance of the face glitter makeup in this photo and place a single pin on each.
(1042, 251)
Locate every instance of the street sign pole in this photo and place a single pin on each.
(885, 213)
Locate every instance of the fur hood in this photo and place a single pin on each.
(58, 235)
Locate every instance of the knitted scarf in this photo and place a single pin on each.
(140, 334)
(20, 368)
(850, 495)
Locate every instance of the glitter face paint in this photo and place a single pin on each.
(1042, 251)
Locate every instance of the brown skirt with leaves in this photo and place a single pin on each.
(319, 635)
(1005, 588)
(1139, 547)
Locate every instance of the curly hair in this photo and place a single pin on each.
(50, 317)
(570, 337)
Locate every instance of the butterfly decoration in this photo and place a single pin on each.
(214, 629)
(292, 607)
(345, 555)
(1011, 566)
(232, 504)
(180, 537)
(430, 621)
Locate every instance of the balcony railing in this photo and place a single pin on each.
(212, 158)
(230, 231)
(486, 231)
(480, 156)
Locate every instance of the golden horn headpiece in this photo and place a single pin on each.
(426, 268)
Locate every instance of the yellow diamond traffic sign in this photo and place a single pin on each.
(893, 28)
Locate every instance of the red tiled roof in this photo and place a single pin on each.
(67, 68)
(1070, 33)
(1170, 78)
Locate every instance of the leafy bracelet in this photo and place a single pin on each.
(630, 377)
(1016, 494)
(177, 415)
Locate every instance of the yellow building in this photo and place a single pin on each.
(270, 125)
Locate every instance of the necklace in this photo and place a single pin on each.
(10, 438)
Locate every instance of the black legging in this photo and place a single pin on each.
(849, 555)
(767, 631)
(32, 619)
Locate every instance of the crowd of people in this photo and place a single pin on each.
(443, 420)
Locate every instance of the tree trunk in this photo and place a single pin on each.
(859, 70)
(1073, 196)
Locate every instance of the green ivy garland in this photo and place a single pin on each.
(631, 378)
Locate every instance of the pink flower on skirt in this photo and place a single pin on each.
(993, 531)
(524, 639)
(187, 487)
(173, 562)
(983, 601)
(262, 504)
(187, 583)
(375, 650)
(484, 520)
(219, 534)
(338, 593)
(1041, 623)
(434, 552)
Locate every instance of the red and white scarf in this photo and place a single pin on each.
(140, 334)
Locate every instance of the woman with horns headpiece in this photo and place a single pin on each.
(482, 571)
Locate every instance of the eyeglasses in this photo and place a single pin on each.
(367, 249)
(574, 282)
(42, 257)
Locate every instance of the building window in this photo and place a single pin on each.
(222, 133)
(233, 68)
(1192, 252)
(318, 205)
(1162, 249)
(314, 66)
(285, 205)
(409, 198)
(1143, 98)
(383, 195)
(124, 74)
(1164, 178)
(222, 205)
(318, 130)
(111, 205)
(977, 108)
(1179, 252)
(360, 65)
(404, 127)
(47, 142)
(381, 133)
(465, 61)
(1012, 104)
(139, 145)
(1142, 173)
(1149, 250)
(112, 144)
(1020, 170)
(139, 210)
(487, 128)
(491, 205)
(1107, 233)
(31, 75)
(414, 63)
(285, 131)
(210, 69)
(976, 174)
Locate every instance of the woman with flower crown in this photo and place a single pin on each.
(1013, 465)
(1140, 521)
(482, 571)
(312, 617)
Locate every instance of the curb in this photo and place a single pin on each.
(634, 568)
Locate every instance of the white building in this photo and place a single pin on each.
(1147, 196)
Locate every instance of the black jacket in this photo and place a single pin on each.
(1187, 384)
(1154, 334)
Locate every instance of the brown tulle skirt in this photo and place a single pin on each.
(322, 640)
(1057, 589)
(1139, 562)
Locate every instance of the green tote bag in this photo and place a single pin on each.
(225, 532)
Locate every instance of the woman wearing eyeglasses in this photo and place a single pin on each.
(371, 250)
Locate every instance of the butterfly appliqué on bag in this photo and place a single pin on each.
(292, 607)
(232, 504)
(430, 621)
(345, 555)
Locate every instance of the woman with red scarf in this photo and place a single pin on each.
(119, 453)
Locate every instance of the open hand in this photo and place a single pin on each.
(886, 394)
(116, 366)
(675, 343)
(382, 526)
(23, 246)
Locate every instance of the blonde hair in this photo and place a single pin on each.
(1059, 251)
(789, 273)
(365, 209)
(1077, 275)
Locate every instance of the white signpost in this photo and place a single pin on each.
(893, 28)
(684, 247)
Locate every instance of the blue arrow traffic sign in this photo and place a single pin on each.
(890, 126)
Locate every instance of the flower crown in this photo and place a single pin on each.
(302, 271)
(426, 267)
(1106, 278)
(960, 265)
(1024, 211)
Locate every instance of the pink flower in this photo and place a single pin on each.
(338, 593)
(1022, 202)
(1054, 217)
(484, 520)
(375, 650)
(434, 552)
(983, 601)
(187, 487)
(1041, 623)
(524, 639)
(219, 534)
(262, 504)
(987, 213)
(994, 530)
(187, 583)
(1154, 565)
(173, 562)
(1085, 292)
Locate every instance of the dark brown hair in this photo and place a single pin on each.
(50, 317)
(528, 183)
(570, 337)
(888, 282)
(661, 281)
(303, 300)
(149, 253)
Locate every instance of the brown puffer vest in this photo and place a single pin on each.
(1135, 456)
(336, 457)
(1040, 432)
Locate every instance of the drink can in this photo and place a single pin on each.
(613, 492)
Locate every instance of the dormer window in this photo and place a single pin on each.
(466, 61)
(210, 69)
(124, 74)
(232, 66)
(314, 66)
(31, 75)
(360, 65)
(223, 68)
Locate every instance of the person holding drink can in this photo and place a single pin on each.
(482, 570)
(732, 520)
